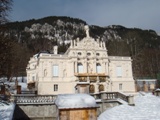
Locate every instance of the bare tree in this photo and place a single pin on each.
(5, 8)
(5, 43)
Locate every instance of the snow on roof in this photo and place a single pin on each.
(6, 110)
(146, 108)
(75, 101)
(158, 89)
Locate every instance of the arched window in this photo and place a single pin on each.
(91, 89)
(80, 68)
(79, 53)
(101, 88)
(98, 68)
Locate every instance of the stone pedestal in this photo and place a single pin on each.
(145, 88)
(152, 87)
(131, 100)
(157, 92)
(137, 88)
(18, 89)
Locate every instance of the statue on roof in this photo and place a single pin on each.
(86, 27)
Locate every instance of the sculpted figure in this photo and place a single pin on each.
(87, 30)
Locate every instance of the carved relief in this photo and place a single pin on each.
(45, 72)
(90, 69)
(64, 73)
(127, 72)
(93, 78)
(83, 79)
(102, 79)
(91, 89)
(101, 88)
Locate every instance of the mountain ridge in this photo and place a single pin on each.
(43, 34)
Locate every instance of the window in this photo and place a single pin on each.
(80, 68)
(101, 88)
(98, 68)
(79, 53)
(120, 86)
(88, 54)
(97, 54)
(55, 87)
(119, 71)
(55, 70)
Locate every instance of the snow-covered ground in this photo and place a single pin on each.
(146, 108)
(6, 110)
(11, 85)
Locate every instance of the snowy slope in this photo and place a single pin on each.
(6, 110)
(146, 108)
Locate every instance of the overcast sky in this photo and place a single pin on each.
(144, 14)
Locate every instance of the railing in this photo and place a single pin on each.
(111, 96)
(92, 78)
(96, 96)
(123, 96)
(28, 92)
(50, 99)
(34, 99)
(119, 57)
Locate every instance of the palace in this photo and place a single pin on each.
(84, 68)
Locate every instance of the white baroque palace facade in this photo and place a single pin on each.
(84, 68)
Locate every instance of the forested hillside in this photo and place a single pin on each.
(20, 40)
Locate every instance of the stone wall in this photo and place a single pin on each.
(35, 112)
(103, 106)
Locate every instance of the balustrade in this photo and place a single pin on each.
(50, 99)
(114, 95)
(122, 96)
(34, 99)
(92, 78)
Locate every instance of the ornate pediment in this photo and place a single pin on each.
(88, 42)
